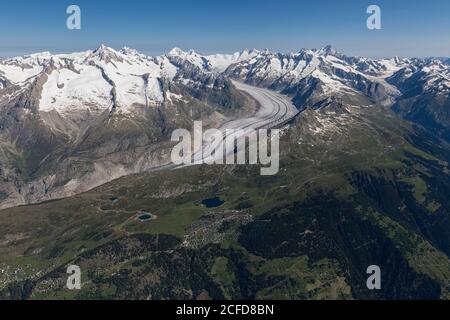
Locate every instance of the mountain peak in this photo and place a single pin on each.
(176, 52)
(328, 49)
(130, 51)
(106, 54)
(103, 48)
(247, 51)
(45, 54)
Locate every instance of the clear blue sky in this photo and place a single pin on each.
(410, 27)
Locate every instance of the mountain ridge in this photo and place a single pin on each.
(109, 102)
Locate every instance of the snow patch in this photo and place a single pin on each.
(67, 91)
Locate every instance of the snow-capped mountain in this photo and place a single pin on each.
(107, 79)
(426, 76)
(324, 72)
(70, 122)
(92, 80)
(425, 98)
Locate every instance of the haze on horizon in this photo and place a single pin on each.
(409, 28)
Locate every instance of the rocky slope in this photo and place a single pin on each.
(357, 186)
(425, 95)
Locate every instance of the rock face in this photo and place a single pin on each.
(425, 96)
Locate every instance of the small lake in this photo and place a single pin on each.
(145, 217)
(114, 200)
(213, 202)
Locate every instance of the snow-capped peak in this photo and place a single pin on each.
(180, 58)
(105, 53)
(215, 63)
(176, 52)
(220, 62)
(190, 55)
(102, 47)
(327, 50)
(130, 51)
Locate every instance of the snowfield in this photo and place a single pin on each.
(68, 91)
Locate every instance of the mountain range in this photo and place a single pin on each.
(71, 122)
(364, 177)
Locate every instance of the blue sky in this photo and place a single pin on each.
(410, 27)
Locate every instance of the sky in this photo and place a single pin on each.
(409, 27)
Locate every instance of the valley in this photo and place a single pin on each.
(363, 177)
